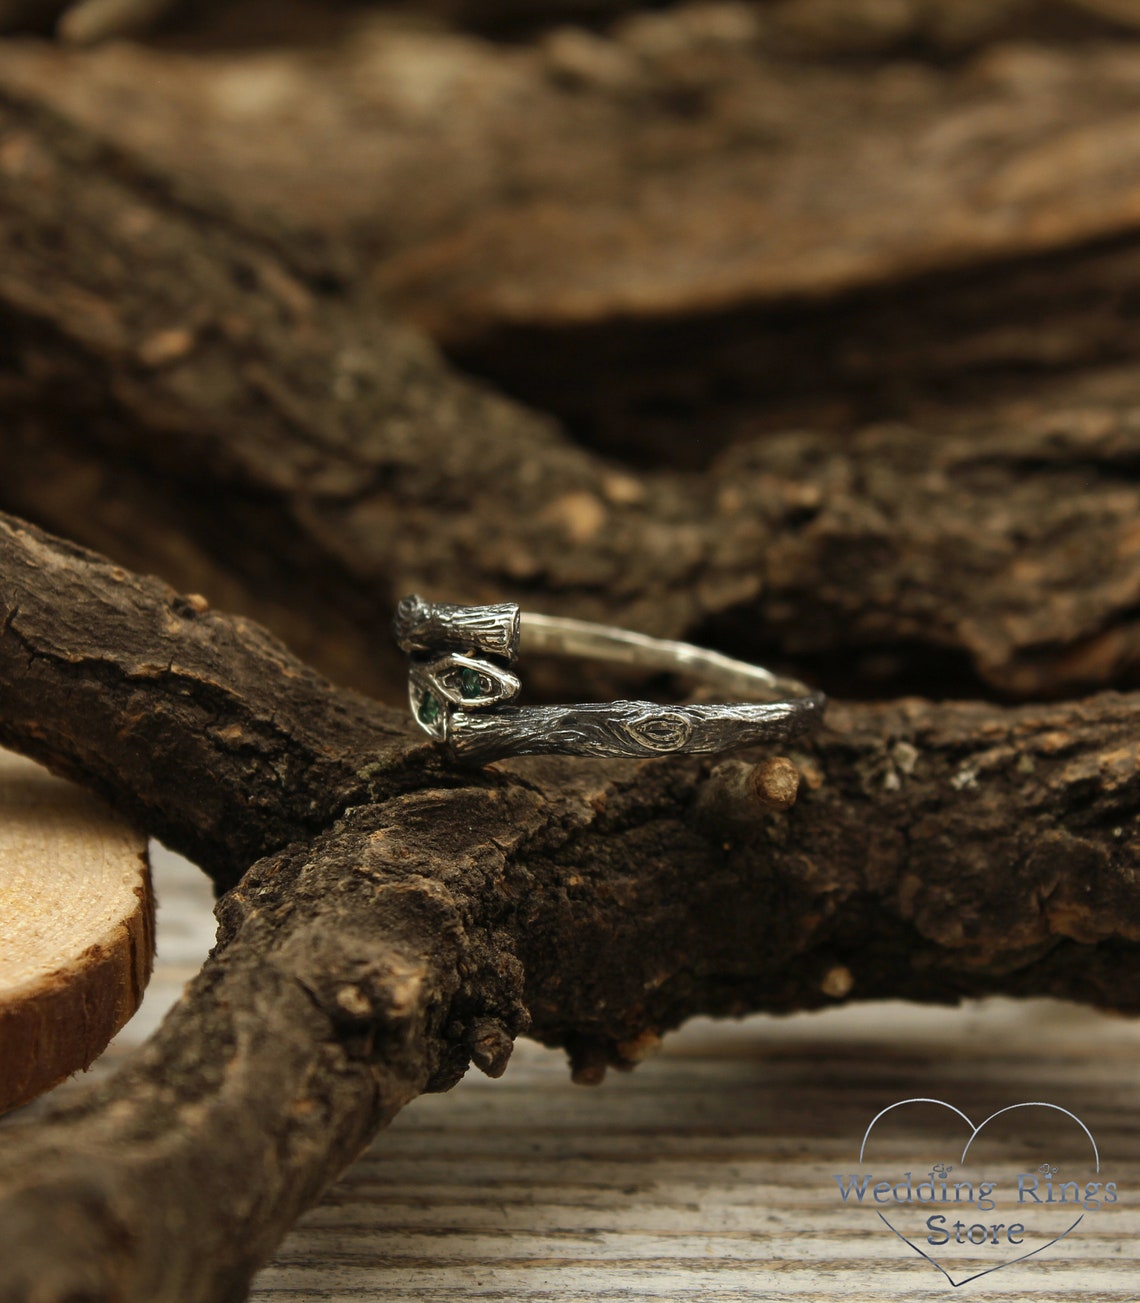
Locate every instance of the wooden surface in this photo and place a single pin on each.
(76, 927)
(707, 1172)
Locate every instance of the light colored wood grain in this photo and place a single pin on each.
(707, 1173)
(76, 927)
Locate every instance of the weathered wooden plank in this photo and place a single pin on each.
(706, 1172)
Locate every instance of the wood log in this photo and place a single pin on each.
(677, 164)
(216, 406)
(77, 928)
(416, 917)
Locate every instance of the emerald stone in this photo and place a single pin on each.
(470, 684)
(429, 708)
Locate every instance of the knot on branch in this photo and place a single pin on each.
(389, 940)
(590, 1055)
(491, 1046)
(373, 1004)
(738, 795)
(487, 1014)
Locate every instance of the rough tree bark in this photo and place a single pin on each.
(406, 917)
(675, 164)
(205, 402)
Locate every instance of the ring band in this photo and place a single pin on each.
(461, 688)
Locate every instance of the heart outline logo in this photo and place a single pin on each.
(974, 1132)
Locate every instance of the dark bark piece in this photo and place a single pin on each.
(815, 28)
(839, 203)
(201, 728)
(88, 21)
(832, 29)
(83, 22)
(934, 851)
(216, 406)
(732, 233)
(15, 15)
(919, 352)
(188, 386)
(677, 164)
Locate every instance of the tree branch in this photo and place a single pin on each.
(199, 727)
(936, 851)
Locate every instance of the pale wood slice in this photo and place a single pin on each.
(76, 928)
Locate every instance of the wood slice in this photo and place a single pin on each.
(76, 928)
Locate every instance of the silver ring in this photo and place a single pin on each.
(461, 688)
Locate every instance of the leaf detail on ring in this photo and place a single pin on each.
(469, 682)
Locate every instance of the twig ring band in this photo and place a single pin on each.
(462, 688)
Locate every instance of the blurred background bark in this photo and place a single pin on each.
(812, 324)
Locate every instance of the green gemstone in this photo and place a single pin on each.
(470, 683)
(429, 708)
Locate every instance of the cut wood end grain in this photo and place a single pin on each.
(76, 928)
